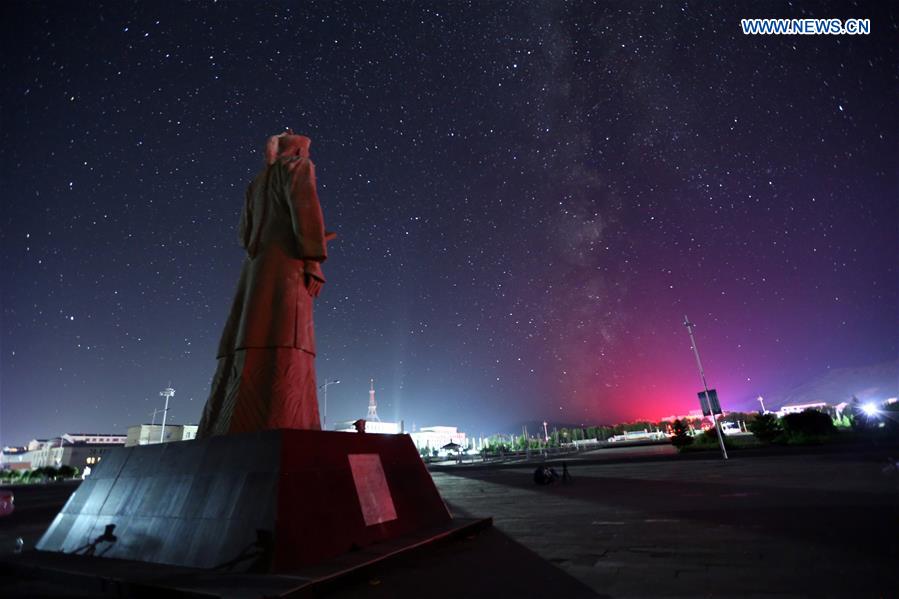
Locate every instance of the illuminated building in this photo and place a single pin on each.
(71, 449)
(435, 437)
(373, 423)
(149, 434)
(798, 408)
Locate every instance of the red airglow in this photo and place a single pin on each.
(653, 382)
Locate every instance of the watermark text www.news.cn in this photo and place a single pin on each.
(806, 26)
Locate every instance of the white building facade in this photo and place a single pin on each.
(150, 434)
(71, 449)
(435, 437)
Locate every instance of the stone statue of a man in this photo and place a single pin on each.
(266, 374)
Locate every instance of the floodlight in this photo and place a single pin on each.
(870, 409)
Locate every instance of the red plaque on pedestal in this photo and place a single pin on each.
(371, 488)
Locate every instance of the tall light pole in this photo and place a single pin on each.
(545, 434)
(705, 386)
(761, 400)
(167, 393)
(324, 388)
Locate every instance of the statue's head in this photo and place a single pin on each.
(286, 145)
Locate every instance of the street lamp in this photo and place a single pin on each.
(324, 389)
(167, 393)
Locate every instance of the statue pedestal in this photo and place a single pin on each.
(273, 501)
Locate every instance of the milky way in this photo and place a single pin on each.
(528, 198)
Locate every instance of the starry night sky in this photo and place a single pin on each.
(528, 196)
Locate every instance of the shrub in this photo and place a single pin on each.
(709, 438)
(765, 427)
(67, 471)
(809, 424)
(680, 439)
(857, 418)
(49, 472)
(30, 476)
(884, 423)
(890, 415)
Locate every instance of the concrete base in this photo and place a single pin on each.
(126, 578)
(274, 501)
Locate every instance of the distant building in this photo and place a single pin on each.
(798, 408)
(15, 458)
(435, 437)
(36, 444)
(691, 415)
(384, 428)
(643, 435)
(373, 423)
(427, 437)
(95, 438)
(733, 428)
(150, 434)
(71, 449)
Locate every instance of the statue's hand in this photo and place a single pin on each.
(313, 285)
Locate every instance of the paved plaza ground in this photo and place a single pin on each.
(822, 524)
(639, 523)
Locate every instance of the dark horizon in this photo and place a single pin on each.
(528, 200)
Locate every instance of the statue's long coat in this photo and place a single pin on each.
(283, 232)
(265, 378)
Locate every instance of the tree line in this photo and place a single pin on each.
(45, 474)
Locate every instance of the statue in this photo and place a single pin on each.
(363, 489)
(265, 378)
